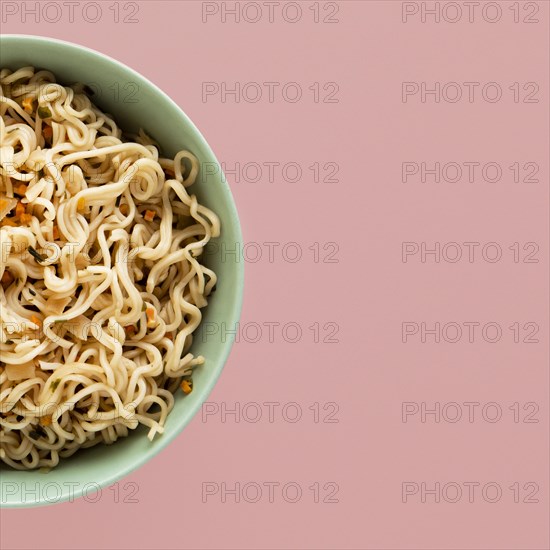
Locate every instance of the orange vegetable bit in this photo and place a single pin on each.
(47, 133)
(124, 209)
(151, 318)
(187, 386)
(6, 205)
(34, 319)
(19, 209)
(46, 421)
(28, 104)
(21, 189)
(7, 279)
(149, 215)
(81, 204)
(26, 218)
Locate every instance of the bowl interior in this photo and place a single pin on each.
(135, 103)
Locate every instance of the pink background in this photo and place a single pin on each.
(368, 292)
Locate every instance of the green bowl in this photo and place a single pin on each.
(134, 102)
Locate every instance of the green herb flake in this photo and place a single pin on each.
(38, 432)
(37, 256)
(54, 384)
(44, 112)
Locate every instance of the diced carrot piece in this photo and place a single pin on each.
(7, 278)
(150, 313)
(20, 189)
(149, 215)
(27, 104)
(186, 387)
(47, 133)
(36, 320)
(46, 420)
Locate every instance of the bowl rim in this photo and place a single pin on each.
(235, 312)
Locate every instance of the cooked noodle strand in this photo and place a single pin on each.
(101, 280)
